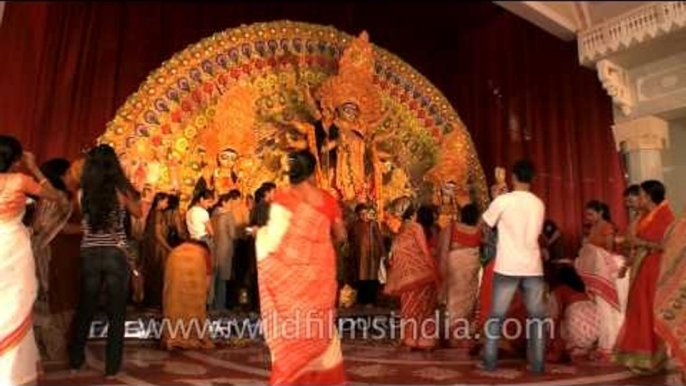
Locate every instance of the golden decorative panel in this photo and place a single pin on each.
(245, 89)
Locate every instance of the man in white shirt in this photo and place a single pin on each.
(198, 217)
(519, 217)
(200, 228)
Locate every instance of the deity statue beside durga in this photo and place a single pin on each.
(225, 112)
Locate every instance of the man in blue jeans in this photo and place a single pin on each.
(519, 217)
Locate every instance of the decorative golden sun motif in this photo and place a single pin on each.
(182, 115)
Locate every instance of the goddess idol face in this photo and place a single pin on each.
(349, 111)
(387, 166)
(448, 189)
(227, 158)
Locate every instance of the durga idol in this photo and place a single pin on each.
(225, 177)
(352, 103)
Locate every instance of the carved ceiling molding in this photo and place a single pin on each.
(615, 81)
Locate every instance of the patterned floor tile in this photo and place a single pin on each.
(365, 365)
(562, 369)
(222, 381)
(367, 353)
(436, 373)
(260, 358)
(371, 371)
(508, 374)
(184, 368)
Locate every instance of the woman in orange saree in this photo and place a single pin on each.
(670, 315)
(296, 265)
(186, 286)
(638, 347)
(413, 276)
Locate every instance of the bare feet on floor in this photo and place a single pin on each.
(111, 377)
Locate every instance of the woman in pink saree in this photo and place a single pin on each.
(19, 357)
(296, 264)
(413, 276)
(670, 314)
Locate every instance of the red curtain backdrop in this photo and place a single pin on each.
(68, 66)
(522, 94)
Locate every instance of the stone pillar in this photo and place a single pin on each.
(642, 141)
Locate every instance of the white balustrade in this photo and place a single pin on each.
(646, 22)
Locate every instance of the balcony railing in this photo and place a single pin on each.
(636, 26)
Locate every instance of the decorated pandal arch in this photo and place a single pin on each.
(226, 111)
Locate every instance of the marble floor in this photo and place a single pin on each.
(381, 363)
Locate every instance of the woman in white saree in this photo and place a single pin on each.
(19, 358)
(459, 247)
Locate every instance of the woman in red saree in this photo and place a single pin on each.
(670, 315)
(638, 346)
(413, 276)
(296, 264)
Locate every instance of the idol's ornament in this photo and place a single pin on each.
(224, 112)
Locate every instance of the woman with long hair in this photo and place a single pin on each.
(177, 224)
(459, 260)
(296, 263)
(427, 215)
(55, 230)
(19, 357)
(413, 275)
(155, 249)
(638, 346)
(106, 197)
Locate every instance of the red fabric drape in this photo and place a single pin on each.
(522, 94)
(68, 66)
